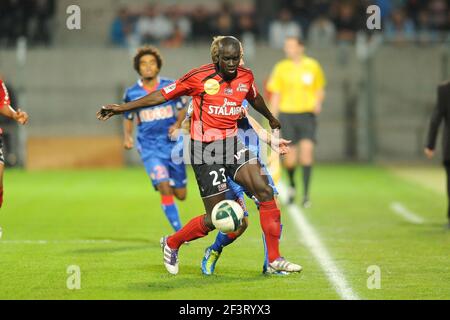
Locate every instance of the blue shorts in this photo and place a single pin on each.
(236, 192)
(161, 170)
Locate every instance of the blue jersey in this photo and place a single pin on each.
(248, 135)
(153, 122)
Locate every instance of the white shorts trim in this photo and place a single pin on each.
(235, 173)
(212, 195)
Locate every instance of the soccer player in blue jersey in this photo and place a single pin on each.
(250, 133)
(157, 133)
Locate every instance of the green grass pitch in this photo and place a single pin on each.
(351, 214)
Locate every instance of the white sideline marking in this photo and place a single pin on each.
(406, 214)
(320, 252)
(55, 241)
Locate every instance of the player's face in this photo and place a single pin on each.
(229, 60)
(148, 67)
(293, 49)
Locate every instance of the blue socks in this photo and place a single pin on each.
(171, 211)
(222, 240)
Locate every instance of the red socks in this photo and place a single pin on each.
(1, 197)
(167, 200)
(232, 235)
(269, 215)
(194, 229)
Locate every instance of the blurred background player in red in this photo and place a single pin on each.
(441, 112)
(7, 111)
(156, 133)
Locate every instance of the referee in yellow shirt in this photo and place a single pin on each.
(297, 86)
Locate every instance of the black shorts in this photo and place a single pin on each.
(298, 126)
(2, 158)
(214, 162)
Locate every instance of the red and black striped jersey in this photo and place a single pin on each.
(4, 96)
(217, 103)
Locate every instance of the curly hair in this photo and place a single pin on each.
(147, 50)
(215, 47)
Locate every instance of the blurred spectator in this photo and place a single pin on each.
(201, 25)
(121, 28)
(246, 26)
(181, 27)
(224, 24)
(385, 8)
(26, 18)
(282, 28)
(346, 23)
(321, 32)
(399, 28)
(425, 33)
(438, 10)
(43, 12)
(301, 10)
(153, 26)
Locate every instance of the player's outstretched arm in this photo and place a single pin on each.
(153, 99)
(20, 116)
(128, 141)
(260, 105)
(277, 144)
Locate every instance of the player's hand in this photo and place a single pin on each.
(186, 125)
(107, 111)
(429, 153)
(128, 143)
(280, 145)
(274, 123)
(21, 117)
(174, 132)
(244, 113)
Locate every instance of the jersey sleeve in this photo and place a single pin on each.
(274, 83)
(4, 96)
(185, 86)
(253, 90)
(128, 114)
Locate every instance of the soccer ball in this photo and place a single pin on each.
(227, 216)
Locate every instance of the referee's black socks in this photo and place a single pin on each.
(307, 170)
(291, 174)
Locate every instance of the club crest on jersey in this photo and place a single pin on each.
(170, 88)
(228, 91)
(212, 86)
(242, 87)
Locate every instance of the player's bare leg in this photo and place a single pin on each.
(249, 176)
(306, 159)
(180, 193)
(168, 204)
(197, 227)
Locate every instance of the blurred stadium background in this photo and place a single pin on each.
(381, 85)
(380, 93)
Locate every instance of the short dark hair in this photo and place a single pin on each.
(147, 50)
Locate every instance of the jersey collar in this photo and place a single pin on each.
(141, 84)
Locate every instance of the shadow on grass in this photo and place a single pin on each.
(190, 277)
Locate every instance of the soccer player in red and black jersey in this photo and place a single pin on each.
(19, 116)
(218, 90)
